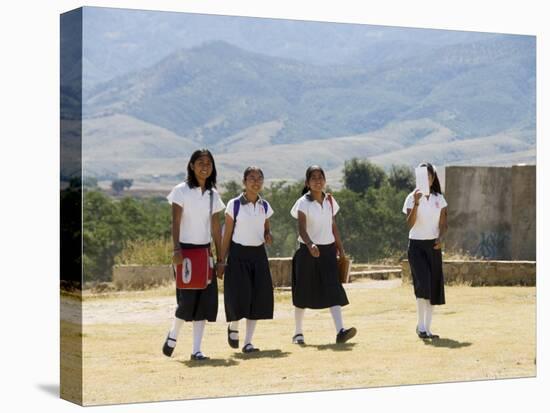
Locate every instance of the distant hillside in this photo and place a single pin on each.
(288, 161)
(215, 91)
(120, 41)
(447, 97)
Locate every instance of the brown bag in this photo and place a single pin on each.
(344, 269)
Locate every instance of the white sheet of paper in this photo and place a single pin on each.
(422, 182)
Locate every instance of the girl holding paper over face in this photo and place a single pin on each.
(426, 211)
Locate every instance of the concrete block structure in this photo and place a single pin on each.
(492, 211)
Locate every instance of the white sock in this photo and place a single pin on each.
(428, 316)
(234, 325)
(420, 312)
(250, 327)
(198, 331)
(174, 331)
(299, 319)
(336, 312)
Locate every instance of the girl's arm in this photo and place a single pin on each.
(267, 232)
(442, 227)
(227, 235)
(338, 240)
(411, 213)
(217, 234)
(302, 225)
(177, 211)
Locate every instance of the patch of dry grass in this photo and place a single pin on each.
(486, 333)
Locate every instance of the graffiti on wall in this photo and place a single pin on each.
(492, 244)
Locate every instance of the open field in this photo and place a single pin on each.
(486, 333)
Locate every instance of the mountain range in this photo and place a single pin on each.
(401, 97)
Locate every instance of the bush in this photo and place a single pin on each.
(146, 252)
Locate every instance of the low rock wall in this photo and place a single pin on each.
(482, 272)
(146, 276)
(475, 273)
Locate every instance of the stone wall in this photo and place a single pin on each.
(146, 276)
(492, 211)
(281, 271)
(482, 272)
(141, 276)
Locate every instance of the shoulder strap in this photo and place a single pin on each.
(211, 209)
(236, 208)
(329, 197)
(264, 202)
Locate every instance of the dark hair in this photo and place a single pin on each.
(309, 172)
(192, 179)
(436, 186)
(251, 169)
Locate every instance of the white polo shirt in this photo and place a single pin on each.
(428, 212)
(249, 227)
(318, 218)
(194, 226)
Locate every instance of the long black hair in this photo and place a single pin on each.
(309, 172)
(192, 179)
(436, 186)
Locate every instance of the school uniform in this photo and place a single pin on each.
(425, 261)
(195, 232)
(248, 288)
(315, 282)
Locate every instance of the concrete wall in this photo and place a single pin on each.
(524, 213)
(492, 211)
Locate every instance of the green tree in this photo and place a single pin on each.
(108, 224)
(361, 174)
(402, 178)
(119, 185)
(231, 189)
(284, 227)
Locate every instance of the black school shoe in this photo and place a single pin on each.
(198, 356)
(422, 334)
(232, 343)
(249, 348)
(344, 335)
(432, 336)
(166, 349)
(298, 339)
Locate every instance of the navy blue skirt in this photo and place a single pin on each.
(315, 282)
(247, 284)
(427, 270)
(197, 305)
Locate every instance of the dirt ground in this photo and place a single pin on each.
(486, 333)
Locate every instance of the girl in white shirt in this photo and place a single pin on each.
(315, 282)
(427, 221)
(248, 289)
(193, 227)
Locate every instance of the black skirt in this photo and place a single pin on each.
(247, 285)
(427, 270)
(315, 282)
(197, 305)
